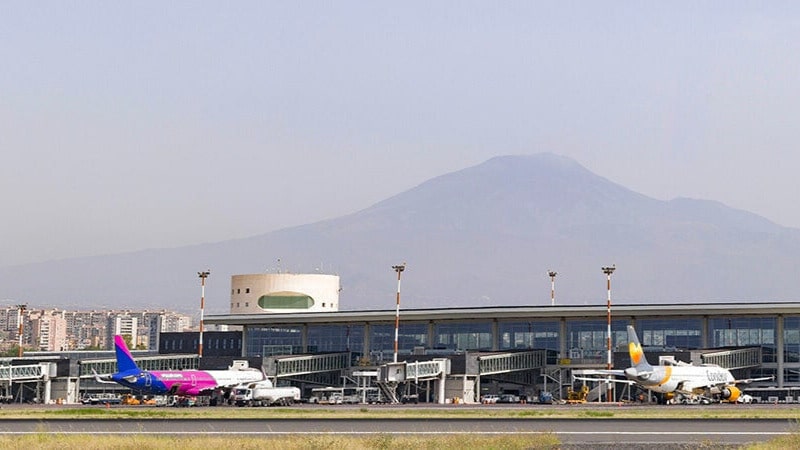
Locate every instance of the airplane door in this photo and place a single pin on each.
(148, 379)
(194, 380)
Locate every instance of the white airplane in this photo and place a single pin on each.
(705, 381)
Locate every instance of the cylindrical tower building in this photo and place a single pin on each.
(284, 293)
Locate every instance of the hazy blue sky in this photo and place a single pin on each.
(132, 125)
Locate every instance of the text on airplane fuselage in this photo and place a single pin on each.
(171, 375)
(715, 376)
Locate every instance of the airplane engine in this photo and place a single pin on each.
(730, 393)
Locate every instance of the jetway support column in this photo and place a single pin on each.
(48, 384)
(477, 385)
(442, 385)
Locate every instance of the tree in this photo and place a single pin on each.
(13, 352)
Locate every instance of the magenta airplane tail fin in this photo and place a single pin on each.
(124, 359)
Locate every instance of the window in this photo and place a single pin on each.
(791, 342)
(247, 291)
(528, 335)
(684, 333)
(745, 332)
(463, 336)
(260, 337)
(409, 335)
(285, 300)
(587, 339)
(336, 338)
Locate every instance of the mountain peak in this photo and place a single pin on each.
(484, 235)
(544, 160)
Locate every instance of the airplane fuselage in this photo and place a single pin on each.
(666, 379)
(184, 382)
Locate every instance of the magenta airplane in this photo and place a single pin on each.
(173, 382)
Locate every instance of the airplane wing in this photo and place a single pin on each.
(196, 392)
(105, 379)
(751, 380)
(605, 372)
(595, 375)
(602, 380)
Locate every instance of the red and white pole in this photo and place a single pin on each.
(608, 271)
(203, 276)
(399, 269)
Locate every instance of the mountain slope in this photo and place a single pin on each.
(485, 235)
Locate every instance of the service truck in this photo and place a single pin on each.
(262, 393)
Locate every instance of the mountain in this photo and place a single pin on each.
(482, 236)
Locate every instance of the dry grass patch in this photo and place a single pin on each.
(381, 441)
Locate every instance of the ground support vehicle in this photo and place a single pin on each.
(263, 394)
(129, 399)
(508, 398)
(579, 396)
(101, 399)
(489, 399)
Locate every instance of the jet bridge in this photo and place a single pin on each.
(509, 364)
(391, 375)
(86, 368)
(40, 373)
(290, 366)
(741, 358)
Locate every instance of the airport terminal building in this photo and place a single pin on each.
(535, 347)
(292, 327)
(526, 349)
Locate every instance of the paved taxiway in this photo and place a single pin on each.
(569, 431)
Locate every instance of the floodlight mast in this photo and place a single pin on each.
(552, 274)
(399, 269)
(203, 275)
(608, 271)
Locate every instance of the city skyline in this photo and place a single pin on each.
(58, 329)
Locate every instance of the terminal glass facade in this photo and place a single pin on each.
(791, 349)
(336, 338)
(528, 335)
(686, 333)
(745, 332)
(578, 340)
(463, 336)
(265, 341)
(791, 339)
(409, 335)
(587, 340)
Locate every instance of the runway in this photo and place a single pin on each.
(589, 432)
